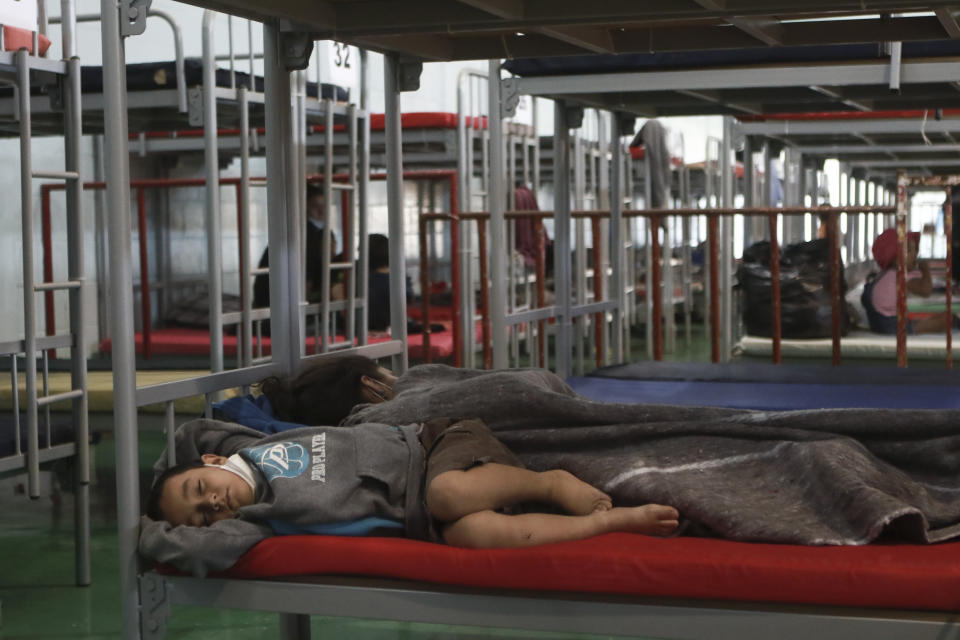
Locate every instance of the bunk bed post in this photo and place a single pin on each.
(462, 255)
(246, 263)
(349, 240)
(618, 123)
(648, 252)
(29, 301)
(363, 268)
(213, 223)
(116, 164)
(285, 270)
(750, 224)
(78, 297)
(327, 235)
(579, 253)
(498, 237)
(727, 192)
(901, 225)
(561, 234)
(392, 86)
(948, 234)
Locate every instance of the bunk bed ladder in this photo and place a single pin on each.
(32, 346)
(347, 190)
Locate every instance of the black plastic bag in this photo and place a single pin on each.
(805, 310)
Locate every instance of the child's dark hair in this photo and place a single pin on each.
(323, 393)
(156, 491)
(379, 251)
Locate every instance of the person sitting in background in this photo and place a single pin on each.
(378, 283)
(880, 292)
(316, 220)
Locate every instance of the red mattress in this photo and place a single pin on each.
(427, 120)
(182, 341)
(16, 38)
(898, 576)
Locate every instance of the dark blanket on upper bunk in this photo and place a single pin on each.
(837, 476)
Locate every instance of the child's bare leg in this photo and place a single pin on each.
(454, 494)
(487, 529)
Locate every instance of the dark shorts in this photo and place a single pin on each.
(460, 445)
(457, 446)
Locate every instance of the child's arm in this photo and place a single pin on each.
(922, 286)
(199, 550)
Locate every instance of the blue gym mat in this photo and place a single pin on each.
(768, 395)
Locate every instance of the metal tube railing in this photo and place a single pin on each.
(713, 216)
(177, 47)
(162, 183)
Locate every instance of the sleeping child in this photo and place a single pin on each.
(443, 480)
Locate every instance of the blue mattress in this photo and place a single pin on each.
(769, 396)
(610, 63)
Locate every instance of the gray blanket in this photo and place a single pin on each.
(832, 476)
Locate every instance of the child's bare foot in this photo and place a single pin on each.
(650, 519)
(574, 495)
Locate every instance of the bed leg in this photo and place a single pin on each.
(294, 626)
(154, 607)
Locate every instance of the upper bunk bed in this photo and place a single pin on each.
(739, 82)
(481, 29)
(877, 143)
(166, 95)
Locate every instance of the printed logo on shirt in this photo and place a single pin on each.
(280, 460)
(318, 472)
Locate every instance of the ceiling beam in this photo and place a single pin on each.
(593, 39)
(855, 149)
(506, 9)
(949, 22)
(767, 30)
(830, 93)
(714, 97)
(428, 49)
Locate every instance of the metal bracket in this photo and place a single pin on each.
(627, 123)
(509, 97)
(195, 106)
(574, 116)
(154, 606)
(295, 49)
(133, 17)
(409, 70)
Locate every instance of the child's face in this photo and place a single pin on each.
(201, 496)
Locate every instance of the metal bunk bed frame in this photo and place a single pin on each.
(17, 68)
(149, 595)
(586, 87)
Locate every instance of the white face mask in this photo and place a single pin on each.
(238, 466)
